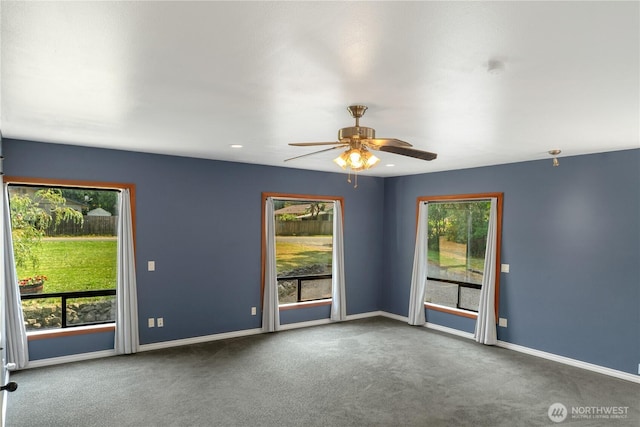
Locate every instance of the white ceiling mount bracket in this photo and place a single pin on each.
(554, 153)
(495, 67)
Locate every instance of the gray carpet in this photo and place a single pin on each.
(369, 372)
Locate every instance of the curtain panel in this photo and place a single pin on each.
(338, 291)
(485, 331)
(419, 274)
(126, 336)
(15, 331)
(270, 305)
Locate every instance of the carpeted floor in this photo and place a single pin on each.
(369, 372)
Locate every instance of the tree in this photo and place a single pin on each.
(460, 222)
(437, 223)
(315, 208)
(105, 199)
(29, 221)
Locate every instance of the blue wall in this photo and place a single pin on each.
(200, 221)
(570, 234)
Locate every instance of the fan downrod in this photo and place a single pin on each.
(356, 111)
(354, 133)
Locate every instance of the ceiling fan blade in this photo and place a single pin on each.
(317, 152)
(311, 144)
(410, 152)
(379, 142)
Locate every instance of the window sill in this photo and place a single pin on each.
(66, 332)
(307, 304)
(451, 310)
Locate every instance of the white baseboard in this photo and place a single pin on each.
(451, 331)
(298, 325)
(235, 334)
(521, 349)
(572, 362)
(198, 340)
(69, 359)
(428, 325)
(246, 332)
(318, 322)
(393, 316)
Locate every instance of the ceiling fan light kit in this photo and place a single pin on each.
(358, 140)
(356, 159)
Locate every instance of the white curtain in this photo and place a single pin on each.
(485, 332)
(16, 334)
(270, 308)
(126, 336)
(338, 304)
(419, 275)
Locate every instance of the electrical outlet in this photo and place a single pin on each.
(502, 322)
(151, 266)
(160, 322)
(253, 311)
(152, 322)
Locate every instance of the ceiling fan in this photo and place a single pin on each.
(358, 140)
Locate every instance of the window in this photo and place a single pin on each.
(457, 237)
(303, 247)
(65, 249)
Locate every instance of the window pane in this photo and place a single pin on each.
(42, 313)
(457, 238)
(64, 241)
(469, 298)
(442, 293)
(287, 291)
(315, 289)
(83, 311)
(304, 247)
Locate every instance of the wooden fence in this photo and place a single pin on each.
(107, 226)
(91, 226)
(304, 228)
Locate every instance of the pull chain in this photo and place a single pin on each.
(355, 174)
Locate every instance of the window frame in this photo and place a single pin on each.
(101, 185)
(464, 198)
(305, 197)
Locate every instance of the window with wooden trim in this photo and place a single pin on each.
(303, 248)
(65, 248)
(457, 237)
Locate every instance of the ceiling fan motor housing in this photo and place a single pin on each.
(356, 132)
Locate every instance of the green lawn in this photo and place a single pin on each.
(456, 263)
(291, 255)
(84, 264)
(75, 264)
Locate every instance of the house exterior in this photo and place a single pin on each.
(98, 212)
(31, 192)
(303, 213)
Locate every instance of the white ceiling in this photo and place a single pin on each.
(191, 78)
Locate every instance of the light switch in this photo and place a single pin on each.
(504, 268)
(151, 266)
